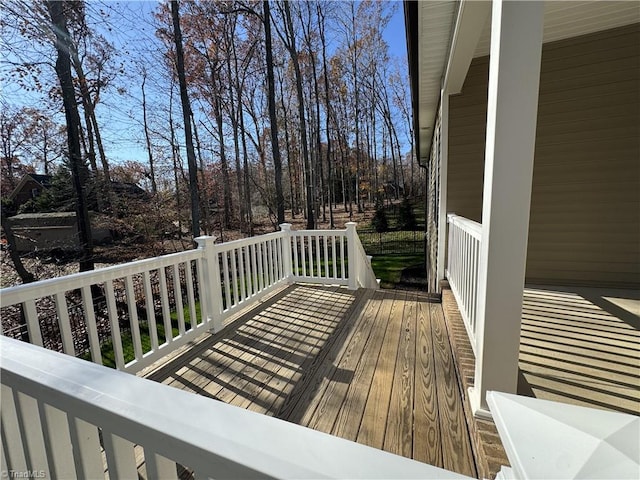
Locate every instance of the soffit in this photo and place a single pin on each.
(566, 19)
(435, 20)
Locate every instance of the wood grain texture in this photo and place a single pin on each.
(350, 414)
(398, 438)
(341, 375)
(374, 420)
(360, 365)
(456, 446)
(426, 427)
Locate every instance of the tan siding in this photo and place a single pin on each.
(467, 118)
(432, 209)
(585, 206)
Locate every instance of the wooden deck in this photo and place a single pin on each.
(577, 345)
(374, 367)
(582, 346)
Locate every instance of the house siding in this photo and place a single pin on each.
(584, 220)
(433, 175)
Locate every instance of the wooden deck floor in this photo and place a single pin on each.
(582, 346)
(374, 367)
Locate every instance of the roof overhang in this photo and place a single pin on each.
(443, 37)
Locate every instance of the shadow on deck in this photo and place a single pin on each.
(375, 367)
(581, 346)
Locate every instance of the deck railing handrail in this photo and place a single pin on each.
(365, 276)
(182, 295)
(465, 237)
(66, 418)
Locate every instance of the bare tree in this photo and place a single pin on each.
(186, 115)
(58, 13)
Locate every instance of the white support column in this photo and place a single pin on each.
(514, 77)
(352, 256)
(286, 251)
(442, 190)
(210, 288)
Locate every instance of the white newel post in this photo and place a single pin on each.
(352, 255)
(210, 288)
(286, 251)
(514, 77)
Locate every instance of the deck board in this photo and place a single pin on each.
(456, 443)
(399, 431)
(312, 379)
(351, 411)
(338, 377)
(426, 443)
(369, 366)
(374, 420)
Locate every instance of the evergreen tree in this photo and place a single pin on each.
(406, 217)
(379, 221)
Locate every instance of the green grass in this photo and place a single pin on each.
(108, 355)
(388, 268)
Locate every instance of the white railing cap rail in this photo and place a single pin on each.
(51, 286)
(243, 242)
(470, 226)
(215, 439)
(328, 233)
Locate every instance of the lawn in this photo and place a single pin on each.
(108, 356)
(388, 268)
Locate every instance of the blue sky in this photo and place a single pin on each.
(131, 149)
(120, 115)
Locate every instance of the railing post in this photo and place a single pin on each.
(352, 255)
(210, 289)
(286, 251)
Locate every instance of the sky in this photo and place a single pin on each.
(120, 115)
(394, 35)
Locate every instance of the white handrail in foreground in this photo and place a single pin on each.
(462, 268)
(59, 413)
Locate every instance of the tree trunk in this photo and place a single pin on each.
(204, 200)
(154, 185)
(186, 115)
(327, 113)
(233, 117)
(303, 124)
(63, 71)
(104, 177)
(25, 275)
(271, 98)
(174, 157)
(291, 165)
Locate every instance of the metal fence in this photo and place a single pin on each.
(400, 242)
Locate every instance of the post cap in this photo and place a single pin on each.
(205, 240)
(285, 227)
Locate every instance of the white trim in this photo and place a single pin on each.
(442, 188)
(514, 77)
(470, 23)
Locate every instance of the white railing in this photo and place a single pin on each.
(66, 418)
(320, 258)
(133, 314)
(364, 276)
(462, 268)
